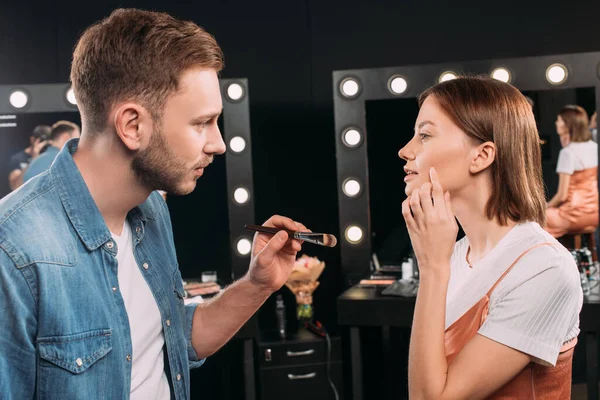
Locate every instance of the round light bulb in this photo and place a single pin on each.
(398, 85)
(351, 188)
(237, 144)
(350, 87)
(556, 74)
(235, 91)
(352, 137)
(71, 97)
(244, 246)
(241, 195)
(354, 234)
(501, 74)
(18, 99)
(447, 76)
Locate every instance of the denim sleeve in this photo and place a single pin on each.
(18, 326)
(195, 362)
(193, 359)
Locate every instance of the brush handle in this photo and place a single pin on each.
(266, 229)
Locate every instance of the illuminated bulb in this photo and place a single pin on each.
(352, 137)
(244, 246)
(398, 85)
(354, 234)
(351, 187)
(350, 87)
(235, 91)
(241, 195)
(237, 144)
(447, 76)
(71, 97)
(556, 74)
(501, 74)
(18, 99)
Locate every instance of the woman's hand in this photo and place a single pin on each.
(431, 225)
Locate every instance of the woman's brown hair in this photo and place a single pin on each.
(576, 120)
(488, 110)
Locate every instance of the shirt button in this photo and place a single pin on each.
(79, 362)
(178, 377)
(128, 357)
(114, 288)
(146, 266)
(168, 322)
(138, 229)
(110, 245)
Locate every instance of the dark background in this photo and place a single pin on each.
(288, 50)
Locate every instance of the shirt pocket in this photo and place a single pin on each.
(74, 366)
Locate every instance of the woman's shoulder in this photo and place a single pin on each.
(541, 257)
(581, 146)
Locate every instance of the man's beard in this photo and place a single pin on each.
(157, 167)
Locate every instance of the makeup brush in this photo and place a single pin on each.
(322, 239)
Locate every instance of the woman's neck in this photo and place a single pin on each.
(483, 233)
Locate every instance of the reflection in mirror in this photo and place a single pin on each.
(390, 126)
(16, 131)
(546, 106)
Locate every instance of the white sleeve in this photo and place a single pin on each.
(566, 162)
(537, 316)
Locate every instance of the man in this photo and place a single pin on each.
(61, 133)
(92, 298)
(20, 161)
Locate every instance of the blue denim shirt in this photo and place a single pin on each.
(41, 164)
(64, 331)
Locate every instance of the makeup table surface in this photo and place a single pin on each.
(365, 306)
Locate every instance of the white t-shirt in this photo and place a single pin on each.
(577, 156)
(148, 378)
(535, 308)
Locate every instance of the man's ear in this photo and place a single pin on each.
(484, 156)
(133, 124)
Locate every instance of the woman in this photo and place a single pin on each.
(574, 207)
(497, 313)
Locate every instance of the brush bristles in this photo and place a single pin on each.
(329, 240)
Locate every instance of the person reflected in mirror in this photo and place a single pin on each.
(574, 207)
(62, 132)
(19, 162)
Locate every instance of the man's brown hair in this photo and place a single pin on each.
(488, 110)
(61, 127)
(577, 122)
(136, 55)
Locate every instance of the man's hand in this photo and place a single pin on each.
(37, 147)
(273, 256)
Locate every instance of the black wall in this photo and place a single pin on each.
(288, 50)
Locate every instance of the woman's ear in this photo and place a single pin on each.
(484, 156)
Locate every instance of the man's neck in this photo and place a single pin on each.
(112, 184)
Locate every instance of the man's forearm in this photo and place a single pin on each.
(216, 321)
(15, 179)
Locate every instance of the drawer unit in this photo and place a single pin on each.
(296, 368)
